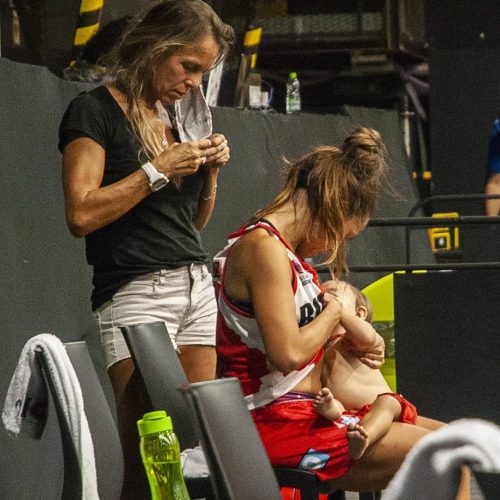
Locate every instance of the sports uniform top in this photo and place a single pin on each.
(239, 343)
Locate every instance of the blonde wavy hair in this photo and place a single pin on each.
(341, 183)
(165, 29)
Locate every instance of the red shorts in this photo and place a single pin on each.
(294, 435)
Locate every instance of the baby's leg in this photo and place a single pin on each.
(326, 405)
(374, 425)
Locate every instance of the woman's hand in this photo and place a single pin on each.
(373, 357)
(185, 158)
(222, 155)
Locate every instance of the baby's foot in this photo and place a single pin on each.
(358, 441)
(326, 405)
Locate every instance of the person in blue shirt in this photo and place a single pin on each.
(492, 206)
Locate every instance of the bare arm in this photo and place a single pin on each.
(211, 167)
(492, 207)
(359, 333)
(259, 271)
(90, 207)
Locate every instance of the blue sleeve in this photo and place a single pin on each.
(494, 149)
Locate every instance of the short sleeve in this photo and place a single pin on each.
(494, 149)
(84, 117)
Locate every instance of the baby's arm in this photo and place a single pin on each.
(360, 335)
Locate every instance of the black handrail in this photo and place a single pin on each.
(451, 197)
(452, 266)
(434, 221)
(412, 222)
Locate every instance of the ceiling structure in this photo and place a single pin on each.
(345, 51)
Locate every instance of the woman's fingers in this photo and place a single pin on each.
(219, 159)
(372, 363)
(222, 154)
(185, 158)
(218, 140)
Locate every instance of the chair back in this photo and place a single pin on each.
(72, 480)
(157, 361)
(105, 438)
(239, 466)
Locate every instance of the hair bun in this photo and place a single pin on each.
(364, 153)
(364, 138)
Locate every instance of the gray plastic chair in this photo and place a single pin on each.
(157, 362)
(72, 478)
(238, 463)
(105, 437)
(107, 447)
(161, 371)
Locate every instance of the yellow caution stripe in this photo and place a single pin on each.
(88, 24)
(90, 5)
(252, 37)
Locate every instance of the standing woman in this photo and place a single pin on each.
(274, 320)
(140, 168)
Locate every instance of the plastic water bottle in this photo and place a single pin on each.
(293, 94)
(161, 457)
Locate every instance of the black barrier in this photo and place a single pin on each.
(409, 222)
(447, 332)
(470, 235)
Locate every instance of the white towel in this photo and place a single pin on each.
(25, 407)
(194, 462)
(432, 468)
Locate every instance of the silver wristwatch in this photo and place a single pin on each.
(157, 180)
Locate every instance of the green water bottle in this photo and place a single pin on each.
(161, 457)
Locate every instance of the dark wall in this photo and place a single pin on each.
(44, 280)
(447, 342)
(464, 59)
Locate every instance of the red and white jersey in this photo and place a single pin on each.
(240, 349)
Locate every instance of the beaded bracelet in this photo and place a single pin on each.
(212, 194)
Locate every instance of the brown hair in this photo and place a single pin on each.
(341, 183)
(166, 28)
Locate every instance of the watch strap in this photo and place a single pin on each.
(157, 180)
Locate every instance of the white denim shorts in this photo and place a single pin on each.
(183, 298)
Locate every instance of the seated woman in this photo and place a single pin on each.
(274, 320)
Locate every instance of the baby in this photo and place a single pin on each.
(350, 372)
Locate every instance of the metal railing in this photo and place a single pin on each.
(412, 222)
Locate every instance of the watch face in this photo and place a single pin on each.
(159, 183)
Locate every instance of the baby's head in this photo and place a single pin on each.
(353, 300)
(360, 303)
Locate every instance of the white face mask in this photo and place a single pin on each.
(193, 116)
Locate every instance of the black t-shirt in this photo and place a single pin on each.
(158, 232)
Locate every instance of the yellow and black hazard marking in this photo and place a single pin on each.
(87, 26)
(444, 239)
